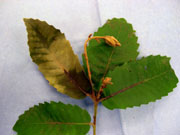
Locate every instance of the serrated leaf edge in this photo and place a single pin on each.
(53, 102)
(155, 99)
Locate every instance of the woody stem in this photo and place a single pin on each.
(86, 59)
(94, 117)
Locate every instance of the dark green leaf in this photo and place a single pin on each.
(103, 57)
(140, 82)
(53, 54)
(53, 119)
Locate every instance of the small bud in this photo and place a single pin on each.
(112, 41)
(107, 81)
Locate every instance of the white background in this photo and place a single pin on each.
(157, 25)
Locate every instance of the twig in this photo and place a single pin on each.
(94, 117)
(110, 40)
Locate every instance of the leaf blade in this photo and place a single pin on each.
(53, 118)
(55, 58)
(140, 82)
(102, 57)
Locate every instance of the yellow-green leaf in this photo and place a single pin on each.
(55, 58)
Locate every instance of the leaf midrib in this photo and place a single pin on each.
(62, 123)
(66, 72)
(134, 85)
(108, 63)
(47, 46)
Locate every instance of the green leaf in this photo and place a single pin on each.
(53, 119)
(140, 82)
(103, 57)
(50, 50)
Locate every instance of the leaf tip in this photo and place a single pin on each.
(25, 20)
